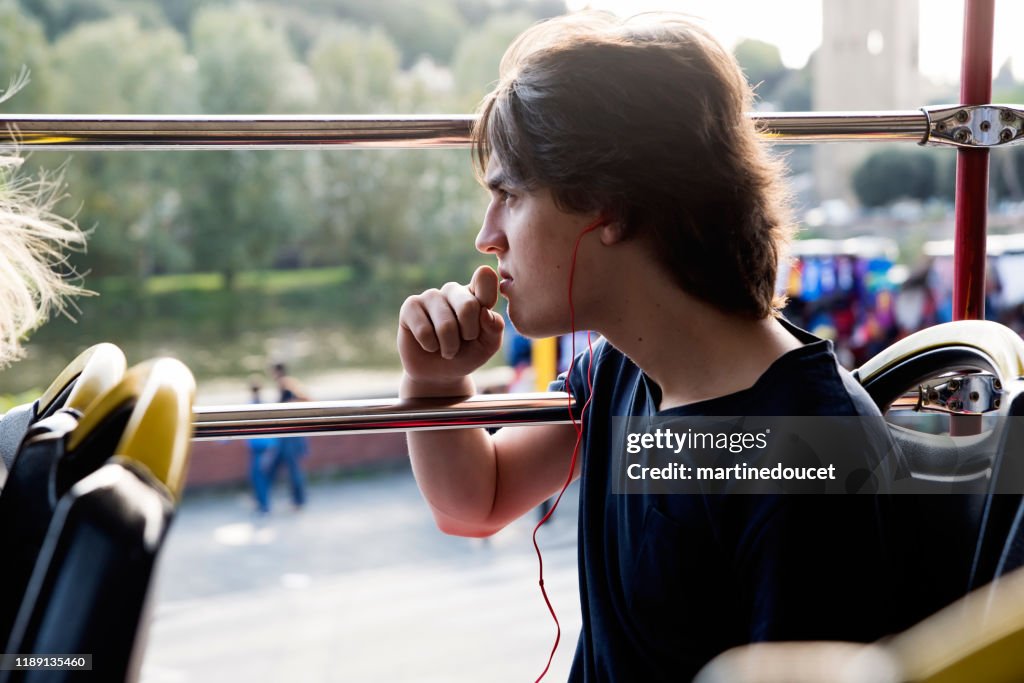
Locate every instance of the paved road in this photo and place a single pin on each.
(357, 587)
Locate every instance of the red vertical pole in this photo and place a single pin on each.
(969, 249)
(972, 166)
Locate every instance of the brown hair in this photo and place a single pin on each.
(644, 119)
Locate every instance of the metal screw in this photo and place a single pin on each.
(940, 126)
(995, 403)
(955, 405)
(962, 116)
(975, 396)
(1006, 134)
(985, 126)
(933, 395)
(961, 135)
(1005, 115)
(997, 384)
(954, 384)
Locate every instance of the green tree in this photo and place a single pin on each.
(762, 64)
(239, 210)
(359, 196)
(418, 28)
(1007, 164)
(23, 46)
(476, 60)
(794, 90)
(61, 16)
(892, 174)
(422, 28)
(355, 70)
(386, 214)
(115, 66)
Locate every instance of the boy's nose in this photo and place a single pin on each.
(491, 238)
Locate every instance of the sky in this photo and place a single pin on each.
(795, 27)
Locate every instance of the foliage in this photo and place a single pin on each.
(762, 64)
(238, 209)
(476, 60)
(793, 91)
(61, 16)
(116, 66)
(23, 47)
(892, 174)
(229, 212)
(355, 70)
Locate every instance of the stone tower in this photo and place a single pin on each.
(868, 60)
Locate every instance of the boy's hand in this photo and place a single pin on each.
(445, 334)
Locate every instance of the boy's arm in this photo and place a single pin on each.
(475, 483)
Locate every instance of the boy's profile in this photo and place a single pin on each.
(630, 137)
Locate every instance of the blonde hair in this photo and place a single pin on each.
(35, 277)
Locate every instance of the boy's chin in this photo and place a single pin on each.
(536, 326)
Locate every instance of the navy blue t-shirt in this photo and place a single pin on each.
(669, 581)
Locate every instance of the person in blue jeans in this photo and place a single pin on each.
(289, 451)
(260, 453)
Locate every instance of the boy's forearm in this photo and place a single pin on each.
(456, 472)
(455, 469)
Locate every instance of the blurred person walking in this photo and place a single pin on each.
(262, 451)
(289, 451)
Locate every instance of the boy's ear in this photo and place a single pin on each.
(613, 232)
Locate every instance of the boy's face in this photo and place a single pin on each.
(533, 240)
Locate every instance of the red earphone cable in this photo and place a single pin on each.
(579, 438)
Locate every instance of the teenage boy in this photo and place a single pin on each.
(620, 151)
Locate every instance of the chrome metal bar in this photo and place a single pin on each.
(378, 415)
(116, 132)
(109, 133)
(841, 126)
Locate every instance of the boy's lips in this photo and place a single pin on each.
(506, 281)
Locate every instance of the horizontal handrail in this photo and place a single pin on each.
(147, 132)
(365, 416)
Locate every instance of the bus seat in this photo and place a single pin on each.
(89, 590)
(972, 530)
(917, 355)
(1012, 557)
(145, 417)
(802, 662)
(90, 374)
(979, 639)
(936, 539)
(26, 507)
(89, 585)
(996, 552)
(139, 407)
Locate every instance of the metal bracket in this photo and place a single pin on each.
(978, 126)
(961, 394)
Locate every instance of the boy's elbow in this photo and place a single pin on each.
(453, 527)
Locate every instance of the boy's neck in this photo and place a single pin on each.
(691, 349)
